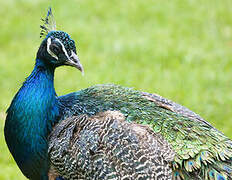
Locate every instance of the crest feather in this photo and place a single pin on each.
(49, 24)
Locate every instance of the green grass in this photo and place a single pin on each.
(181, 50)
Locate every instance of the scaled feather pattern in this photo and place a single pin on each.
(190, 146)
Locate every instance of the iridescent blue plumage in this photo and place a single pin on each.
(30, 117)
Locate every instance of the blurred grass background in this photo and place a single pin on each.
(181, 50)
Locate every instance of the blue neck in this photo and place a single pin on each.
(29, 121)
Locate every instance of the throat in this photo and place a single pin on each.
(36, 103)
(30, 117)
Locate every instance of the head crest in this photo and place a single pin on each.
(49, 24)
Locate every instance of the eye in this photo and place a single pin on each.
(55, 49)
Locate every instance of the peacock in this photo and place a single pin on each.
(106, 131)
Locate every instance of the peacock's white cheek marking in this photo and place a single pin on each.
(63, 48)
(49, 41)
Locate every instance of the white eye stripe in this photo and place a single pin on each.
(48, 49)
(63, 48)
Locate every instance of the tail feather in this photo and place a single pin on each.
(218, 170)
(213, 174)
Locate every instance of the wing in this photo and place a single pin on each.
(105, 146)
(200, 149)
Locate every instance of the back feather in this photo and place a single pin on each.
(105, 146)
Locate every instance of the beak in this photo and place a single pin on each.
(74, 61)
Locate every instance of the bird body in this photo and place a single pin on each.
(106, 131)
(196, 148)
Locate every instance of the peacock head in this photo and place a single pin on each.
(57, 48)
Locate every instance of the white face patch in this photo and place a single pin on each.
(48, 49)
(63, 48)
